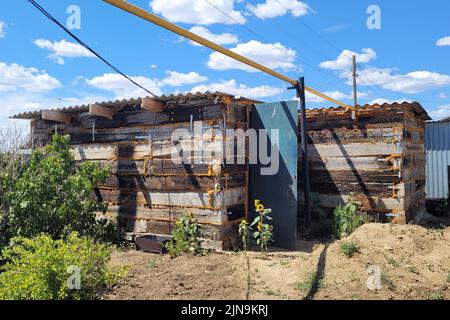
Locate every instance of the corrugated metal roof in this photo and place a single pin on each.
(414, 106)
(176, 99)
(437, 145)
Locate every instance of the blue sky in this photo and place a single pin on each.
(406, 59)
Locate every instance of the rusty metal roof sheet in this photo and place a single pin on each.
(175, 99)
(413, 106)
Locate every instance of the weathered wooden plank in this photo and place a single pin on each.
(166, 167)
(170, 214)
(102, 111)
(208, 149)
(173, 183)
(324, 151)
(368, 203)
(205, 130)
(387, 120)
(351, 163)
(152, 105)
(57, 116)
(142, 117)
(214, 200)
(363, 188)
(167, 214)
(355, 135)
(213, 232)
(357, 176)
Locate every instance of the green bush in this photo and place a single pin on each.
(349, 248)
(45, 269)
(347, 219)
(11, 165)
(314, 281)
(55, 196)
(184, 237)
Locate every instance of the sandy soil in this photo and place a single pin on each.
(414, 263)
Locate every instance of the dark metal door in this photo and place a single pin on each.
(277, 191)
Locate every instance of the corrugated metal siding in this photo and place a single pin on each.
(437, 144)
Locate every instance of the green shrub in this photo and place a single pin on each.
(11, 165)
(44, 269)
(55, 196)
(349, 248)
(347, 219)
(312, 282)
(184, 237)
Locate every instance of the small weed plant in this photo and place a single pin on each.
(350, 248)
(347, 219)
(184, 237)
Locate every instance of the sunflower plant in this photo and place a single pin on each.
(264, 233)
(245, 232)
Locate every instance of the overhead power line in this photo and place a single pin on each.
(266, 40)
(141, 13)
(50, 17)
(311, 29)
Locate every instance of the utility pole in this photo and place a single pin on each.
(355, 94)
(304, 140)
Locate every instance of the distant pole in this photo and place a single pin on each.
(304, 139)
(355, 93)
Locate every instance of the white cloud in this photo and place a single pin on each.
(15, 103)
(198, 12)
(234, 88)
(222, 38)
(275, 8)
(413, 82)
(344, 60)
(63, 49)
(272, 55)
(443, 42)
(443, 95)
(14, 77)
(3, 26)
(123, 88)
(338, 95)
(176, 79)
(387, 78)
(440, 112)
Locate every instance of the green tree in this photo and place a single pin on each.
(54, 195)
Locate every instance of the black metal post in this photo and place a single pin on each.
(304, 139)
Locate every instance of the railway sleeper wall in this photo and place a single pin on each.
(379, 158)
(146, 190)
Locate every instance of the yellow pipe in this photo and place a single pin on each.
(124, 5)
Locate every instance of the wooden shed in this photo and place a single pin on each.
(147, 190)
(379, 156)
(375, 152)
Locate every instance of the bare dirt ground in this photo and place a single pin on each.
(414, 264)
